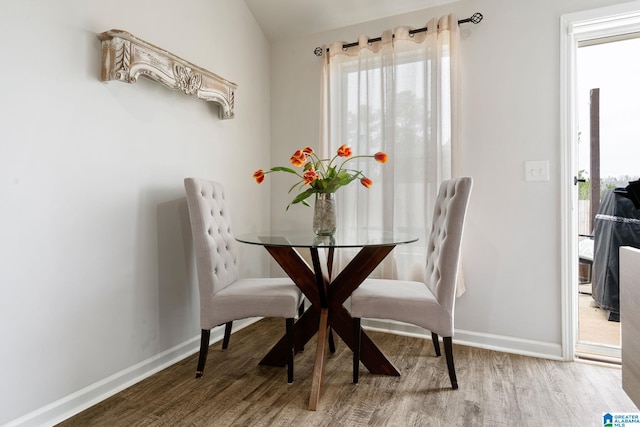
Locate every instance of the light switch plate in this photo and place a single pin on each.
(536, 170)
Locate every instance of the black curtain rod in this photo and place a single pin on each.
(474, 19)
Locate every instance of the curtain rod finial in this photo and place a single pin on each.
(318, 51)
(476, 18)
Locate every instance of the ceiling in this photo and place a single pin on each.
(281, 19)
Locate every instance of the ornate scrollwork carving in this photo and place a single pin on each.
(188, 81)
(122, 57)
(125, 58)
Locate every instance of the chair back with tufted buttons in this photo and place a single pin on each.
(213, 239)
(445, 240)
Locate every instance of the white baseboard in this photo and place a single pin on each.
(474, 339)
(77, 402)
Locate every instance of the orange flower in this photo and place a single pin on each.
(344, 151)
(298, 158)
(307, 151)
(309, 176)
(381, 157)
(366, 182)
(259, 176)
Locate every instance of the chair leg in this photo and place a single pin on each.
(356, 349)
(290, 350)
(436, 343)
(227, 335)
(332, 343)
(204, 349)
(300, 313)
(448, 352)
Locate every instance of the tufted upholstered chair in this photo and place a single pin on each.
(429, 304)
(224, 296)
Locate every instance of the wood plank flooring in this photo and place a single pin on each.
(496, 389)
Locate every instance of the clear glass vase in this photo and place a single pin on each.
(324, 214)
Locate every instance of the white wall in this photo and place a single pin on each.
(96, 271)
(511, 113)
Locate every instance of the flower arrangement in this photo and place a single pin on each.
(321, 175)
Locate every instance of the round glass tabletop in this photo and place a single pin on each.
(341, 239)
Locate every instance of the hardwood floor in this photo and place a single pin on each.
(496, 389)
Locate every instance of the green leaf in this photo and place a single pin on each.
(318, 185)
(302, 196)
(345, 178)
(304, 202)
(283, 169)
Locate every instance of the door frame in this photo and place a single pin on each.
(576, 28)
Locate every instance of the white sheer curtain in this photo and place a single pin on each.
(400, 96)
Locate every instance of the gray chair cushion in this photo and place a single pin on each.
(404, 301)
(262, 297)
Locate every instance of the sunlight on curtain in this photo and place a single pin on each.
(400, 96)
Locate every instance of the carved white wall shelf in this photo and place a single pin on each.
(126, 57)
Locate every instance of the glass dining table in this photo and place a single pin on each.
(327, 290)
